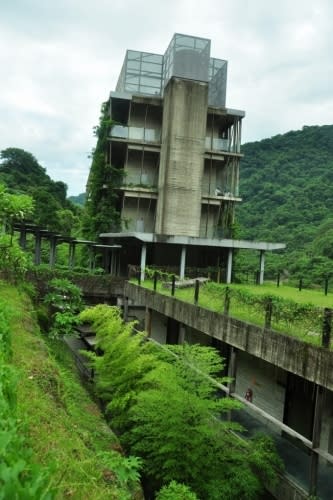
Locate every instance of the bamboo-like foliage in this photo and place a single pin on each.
(171, 415)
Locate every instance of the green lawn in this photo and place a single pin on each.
(296, 313)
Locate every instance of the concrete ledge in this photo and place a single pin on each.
(312, 363)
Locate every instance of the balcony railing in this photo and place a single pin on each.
(136, 133)
(218, 144)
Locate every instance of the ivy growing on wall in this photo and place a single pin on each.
(102, 203)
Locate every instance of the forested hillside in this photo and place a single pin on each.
(286, 183)
(21, 173)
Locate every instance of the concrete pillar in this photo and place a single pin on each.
(53, 251)
(317, 423)
(91, 258)
(229, 265)
(143, 261)
(148, 321)
(23, 238)
(182, 334)
(125, 309)
(71, 255)
(182, 263)
(232, 369)
(261, 267)
(38, 245)
(178, 208)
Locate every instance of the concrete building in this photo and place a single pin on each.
(179, 147)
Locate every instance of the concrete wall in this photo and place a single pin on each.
(181, 164)
(208, 220)
(266, 381)
(312, 363)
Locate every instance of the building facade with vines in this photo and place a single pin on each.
(178, 148)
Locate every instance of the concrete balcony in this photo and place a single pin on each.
(219, 145)
(136, 134)
(149, 192)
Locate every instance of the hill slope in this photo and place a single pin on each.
(286, 184)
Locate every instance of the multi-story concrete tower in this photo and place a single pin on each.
(179, 147)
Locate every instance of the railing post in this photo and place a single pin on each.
(155, 281)
(326, 286)
(226, 301)
(139, 277)
(300, 285)
(327, 326)
(173, 284)
(278, 280)
(196, 292)
(268, 313)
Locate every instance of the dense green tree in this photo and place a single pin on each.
(22, 174)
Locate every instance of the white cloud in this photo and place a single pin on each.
(60, 59)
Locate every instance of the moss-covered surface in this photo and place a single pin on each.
(62, 424)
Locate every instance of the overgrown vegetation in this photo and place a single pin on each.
(102, 210)
(168, 412)
(49, 419)
(20, 475)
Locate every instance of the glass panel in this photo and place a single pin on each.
(136, 133)
(119, 131)
(133, 64)
(152, 82)
(184, 41)
(154, 68)
(131, 87)
(154, 58)
(132, 78)
(133, 54)
(152, 135)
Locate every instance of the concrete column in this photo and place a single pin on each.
(71, 256)
(232, 369)
(125, 309)
(261, 267)
(53, 251)
(112, 263)
(229, 265)
(148, 321)
(182, 334)
(182, 263)
(143, 261)
(38, 245)
(317, 422)
(23, 238)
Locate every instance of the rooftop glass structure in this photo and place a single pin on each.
(186, 57)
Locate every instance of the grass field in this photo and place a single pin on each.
(296, 313)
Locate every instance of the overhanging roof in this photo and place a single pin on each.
(192, 241)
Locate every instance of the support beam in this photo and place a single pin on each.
(38, 245)
(148, 321)
(182, 263)
(229, 265)
(53, 251)
(71, 255)
(317, 422)
(143, 261)
(261, 267)
(23, 239)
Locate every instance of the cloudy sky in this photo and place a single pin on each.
(59, 60)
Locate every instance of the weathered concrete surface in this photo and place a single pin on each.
(181, 163)
(312, 363)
